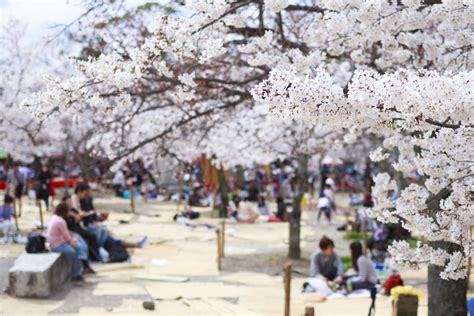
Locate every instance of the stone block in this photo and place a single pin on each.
(149, 305)
(38, 275)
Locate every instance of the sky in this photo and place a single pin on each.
(41, 16)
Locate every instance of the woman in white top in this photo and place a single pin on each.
(246, 212)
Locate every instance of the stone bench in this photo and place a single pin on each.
(38, 275)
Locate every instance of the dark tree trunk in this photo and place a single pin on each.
(294, 251)
(240, 182)
(223, 192)
(87, 166)
(445, 297)
(65, 170)
(85, 174)
(37, 165)
(368, 181)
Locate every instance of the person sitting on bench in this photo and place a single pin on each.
(62, 241)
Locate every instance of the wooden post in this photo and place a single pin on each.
(214, 199)
(41, 215)
(469, 262)
(132, 198)
(222, 238)
(219, 251)
(287, 281)
(309, 311)
(180, 195)
(15, 216)
(347, 213)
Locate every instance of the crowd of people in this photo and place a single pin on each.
(134, 176)
(19, 182)
(76, 228)
(79, 231)
(245, 205)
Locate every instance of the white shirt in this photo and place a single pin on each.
(330, 181)
(119, 178)
(329, 194)
(323, 202)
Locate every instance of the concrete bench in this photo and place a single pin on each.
(38, 275)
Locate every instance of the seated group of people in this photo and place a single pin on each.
(79, 231)
(248, 211)
(326, 265)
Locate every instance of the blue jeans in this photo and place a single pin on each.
(72, 254)
(100, 231)
(82, 249)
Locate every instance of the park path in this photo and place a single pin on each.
(250, 282)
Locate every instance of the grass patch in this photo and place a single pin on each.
(346, 262)
(355, 235)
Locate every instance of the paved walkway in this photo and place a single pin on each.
(250, 282)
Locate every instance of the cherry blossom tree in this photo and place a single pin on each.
(21, 133)
(431, 129)
(427, 117)
(330, 61)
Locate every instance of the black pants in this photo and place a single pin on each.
(331, 274)
(43, 194)
(92, 242)
(19, 190)
(358, 285)
(326, 211)
(118, 189)
(222, 211)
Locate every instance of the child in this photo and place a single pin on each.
(6, 224)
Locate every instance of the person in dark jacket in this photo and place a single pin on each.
(75, 224)
(43, 186)
(94, 222)
(281, 209)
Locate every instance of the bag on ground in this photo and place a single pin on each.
(36, 243)
(117, 252)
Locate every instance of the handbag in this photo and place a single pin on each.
(36, 243)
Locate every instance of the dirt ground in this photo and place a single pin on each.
(250, 282)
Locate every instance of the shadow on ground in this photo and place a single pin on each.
(269, 263)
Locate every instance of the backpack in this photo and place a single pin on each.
(117, 252)
(36, 243)
(391, 282)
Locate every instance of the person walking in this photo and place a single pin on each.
(16, 185)
(43, 186)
